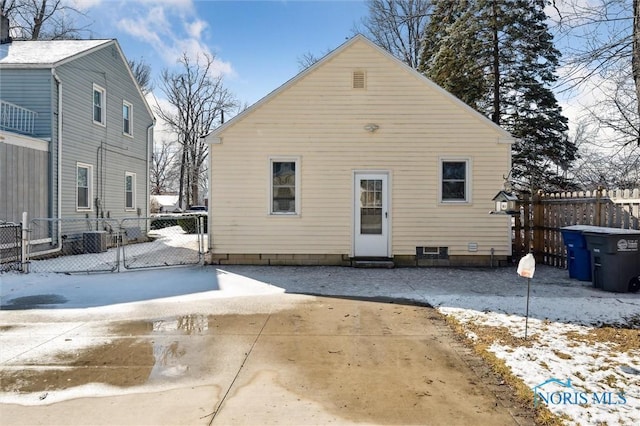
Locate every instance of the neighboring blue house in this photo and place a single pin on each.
(76, 133)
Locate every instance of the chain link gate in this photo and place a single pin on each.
(167, 241)
(10, 246)
(85, 245)
(106, 245)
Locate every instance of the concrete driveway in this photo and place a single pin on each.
(262, 358)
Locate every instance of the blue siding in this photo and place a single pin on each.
(110, 152)
(31, 89)
(106, 148)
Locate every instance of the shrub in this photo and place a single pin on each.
(189, 224)
(164, 222)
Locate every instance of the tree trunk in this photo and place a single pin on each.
(182, 166)
(495, 117)
(635, 58)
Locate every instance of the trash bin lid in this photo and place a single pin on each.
(611, 231)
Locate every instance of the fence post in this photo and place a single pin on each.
(517, 231)
(25, 243)
(538, 227)
(598, 218)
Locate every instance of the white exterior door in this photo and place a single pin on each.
(371, 210)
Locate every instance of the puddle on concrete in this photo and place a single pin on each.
(122, 362)
(134, 353)
(34, 302)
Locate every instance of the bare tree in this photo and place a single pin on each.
(198, 99)
(307, 59)
(163, 175)
(42, 19)
(609, 44)
(142, 73)
(397, 26)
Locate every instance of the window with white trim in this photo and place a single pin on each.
(84, 179)
(454, 185)
(99, 102)
(127, 112)
(129, 191)
(285, 186)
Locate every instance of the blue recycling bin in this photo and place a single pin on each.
(578, 256)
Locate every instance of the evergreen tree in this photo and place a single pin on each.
(450, 54)
(498, 57)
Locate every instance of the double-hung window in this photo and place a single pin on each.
(99, 102)
(285, 186)
(84, 177)
(454, 184)
(127, 111)
(129, 191)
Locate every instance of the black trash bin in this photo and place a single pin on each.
(615, 259)
(578, 256)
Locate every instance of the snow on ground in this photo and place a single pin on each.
(594, 372)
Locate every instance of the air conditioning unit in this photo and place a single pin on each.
(95, 241)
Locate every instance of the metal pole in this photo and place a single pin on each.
(24, 247)
(526, 320)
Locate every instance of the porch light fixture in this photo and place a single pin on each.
(371, 127)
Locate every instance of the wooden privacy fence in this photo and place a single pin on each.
(537, 228)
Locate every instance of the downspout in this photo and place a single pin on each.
(149, 153)
(59, 165)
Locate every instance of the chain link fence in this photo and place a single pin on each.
(169, 241)
(10, 246)
(84, 245)
(108, 245)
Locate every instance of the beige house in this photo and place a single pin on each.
(358, 157)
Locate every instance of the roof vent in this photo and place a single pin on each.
(358, 80)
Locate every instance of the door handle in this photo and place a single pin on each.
(386, 215)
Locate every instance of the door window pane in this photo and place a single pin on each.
(371, 206)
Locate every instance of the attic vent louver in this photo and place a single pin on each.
(358, 80)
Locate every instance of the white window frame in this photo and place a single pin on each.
(89, 168)
(132, 207)
(467, 184)
(129, 105)
(296, 161)
(103, 105)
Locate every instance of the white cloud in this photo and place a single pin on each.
(195, 28)
(168, 28)
(84, 5)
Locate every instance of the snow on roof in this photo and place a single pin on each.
(44, 52)
(165, 200)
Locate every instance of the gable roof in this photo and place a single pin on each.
(45, 53)
(359, 38)
(52, 53)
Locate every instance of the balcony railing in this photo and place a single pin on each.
(17, 119)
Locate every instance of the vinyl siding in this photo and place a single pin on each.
(321, 119)
(106, 148)
(30, 89)
(23, 182)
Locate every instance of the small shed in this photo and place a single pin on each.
(359, 157)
